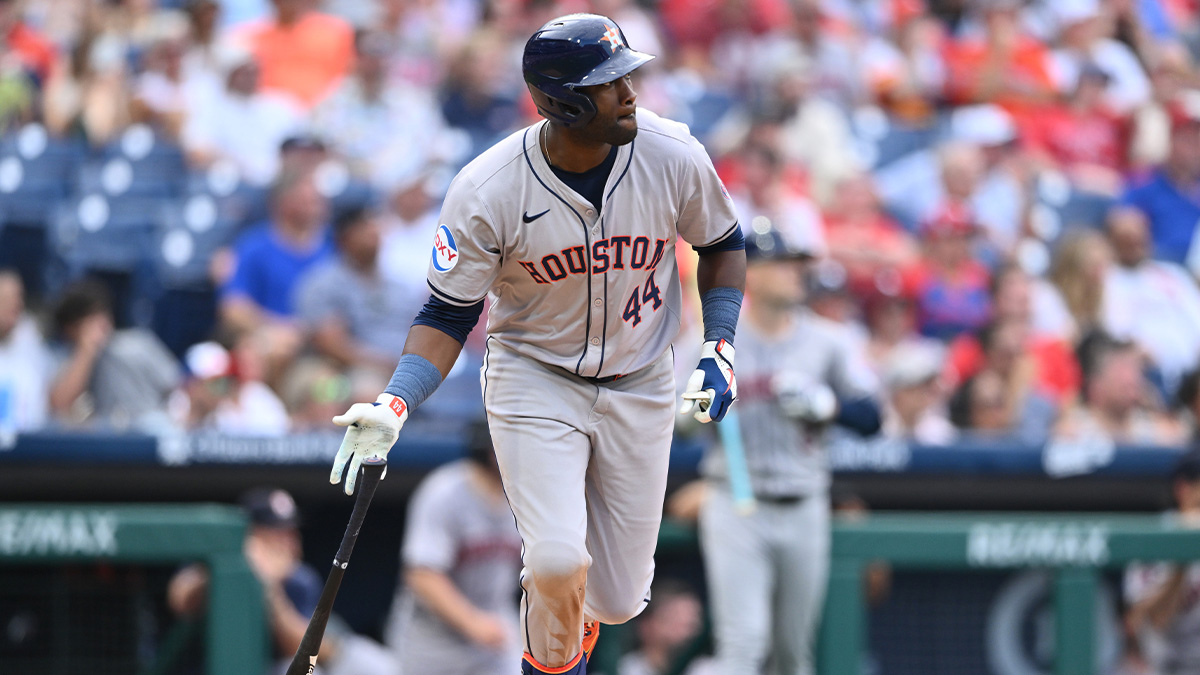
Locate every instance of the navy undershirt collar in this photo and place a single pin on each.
(590, 184)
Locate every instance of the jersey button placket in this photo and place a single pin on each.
(598, 302)
(595, 342)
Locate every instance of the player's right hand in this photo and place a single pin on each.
(804, 399)
(712, 387)
(371, 430)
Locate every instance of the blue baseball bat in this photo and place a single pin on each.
(730, 431)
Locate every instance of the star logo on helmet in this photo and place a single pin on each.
(613, 38)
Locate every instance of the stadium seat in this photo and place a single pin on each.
(237, 202)
(138, 164)
(94, 232)
(34, 177)
(189, 232)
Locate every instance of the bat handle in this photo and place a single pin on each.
(372, 473)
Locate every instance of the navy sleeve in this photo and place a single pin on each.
(734, 241)
(860, 415)
(453, 320)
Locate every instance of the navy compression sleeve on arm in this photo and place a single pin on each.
(720, 308)
(734, 241)
(860, 415)
(453, 320)
(415, 379)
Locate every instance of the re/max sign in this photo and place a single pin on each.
(35, 533)
(1021, 544)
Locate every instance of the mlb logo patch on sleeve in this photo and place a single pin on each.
(445, 252)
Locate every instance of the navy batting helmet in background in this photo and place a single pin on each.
(577, 50)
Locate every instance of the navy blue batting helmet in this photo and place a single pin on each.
(577, 50)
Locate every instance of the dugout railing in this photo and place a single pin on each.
(91, 535)
(1075, 548)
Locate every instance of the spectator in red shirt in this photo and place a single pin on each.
(1082, 137)
(1053, 370)
(301, 52)
(1006, 67)
(949, 287)
(34, 53)
(1005, 396)
(869, 244)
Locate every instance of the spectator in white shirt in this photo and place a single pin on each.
(1085, 38)
(223, 393)
(1151, 302)
(241, 124)
(387, 131)
(24, 362)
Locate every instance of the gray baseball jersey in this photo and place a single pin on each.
(453, 529)
(785, 458)
(597, 294)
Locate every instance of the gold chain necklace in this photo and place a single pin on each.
(545, 146)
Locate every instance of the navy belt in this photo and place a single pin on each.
(603, 380)
(782, 500)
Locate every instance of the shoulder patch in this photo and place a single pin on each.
(445, 252)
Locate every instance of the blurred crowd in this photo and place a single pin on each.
(216, 215)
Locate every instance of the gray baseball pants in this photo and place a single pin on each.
(585, 470)
(767, 574)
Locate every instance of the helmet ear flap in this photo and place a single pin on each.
(568, 107)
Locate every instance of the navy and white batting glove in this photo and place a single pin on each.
(804, 399)
(371, 430)
(712, 388)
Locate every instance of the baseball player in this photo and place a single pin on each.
(767, 571)
(461, 556)
(570, 226)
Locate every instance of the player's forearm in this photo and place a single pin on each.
(73, 380)
(439, 595)
(721, 280)
(429, 354)
(434, 346)
(721, 269)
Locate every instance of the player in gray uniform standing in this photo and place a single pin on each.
(460, 560)
(570, 227)
(767, 571)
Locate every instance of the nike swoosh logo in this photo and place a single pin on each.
(529, 219)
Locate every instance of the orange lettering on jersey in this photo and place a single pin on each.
(613, 253)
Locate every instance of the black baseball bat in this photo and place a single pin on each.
(305, 660)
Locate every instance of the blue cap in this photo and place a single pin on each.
(771, 245)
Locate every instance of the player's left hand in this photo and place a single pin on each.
(371, 430)
(712, 388)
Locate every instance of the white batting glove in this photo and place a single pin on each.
(712, 388)
(805, 400)
(371, 431)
